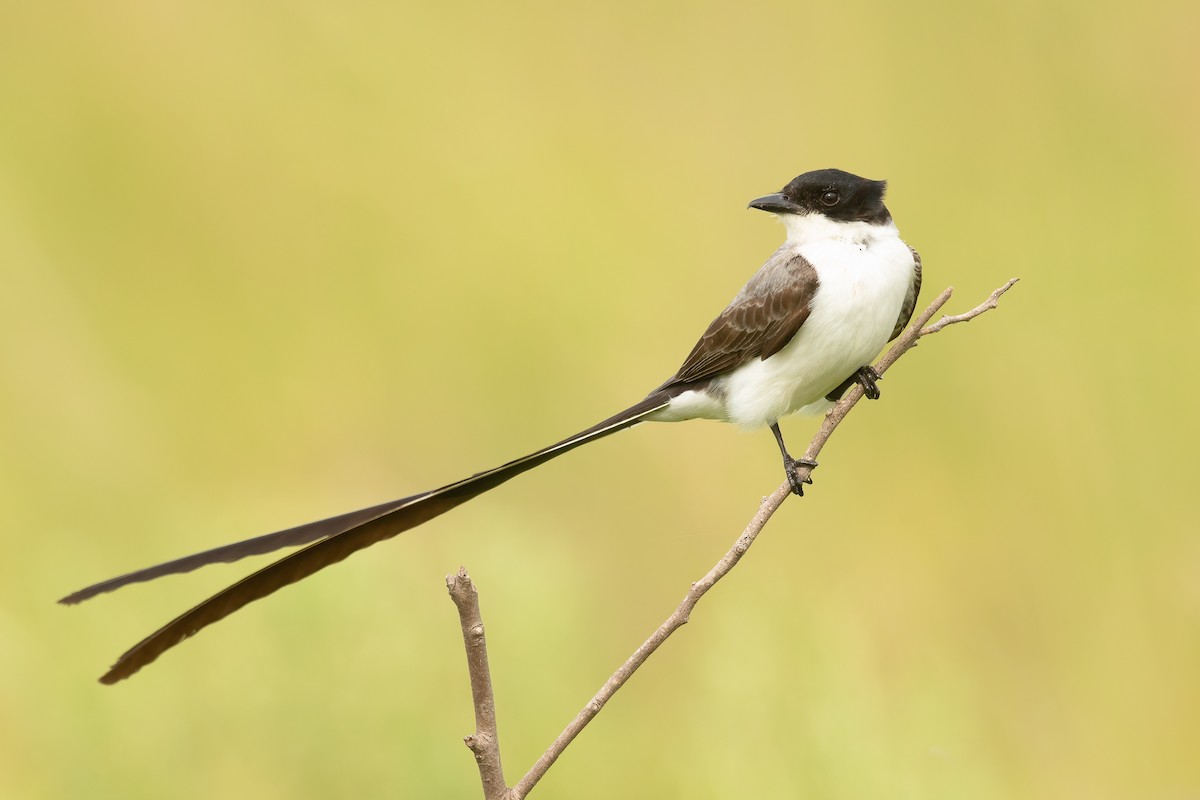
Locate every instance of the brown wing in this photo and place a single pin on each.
(763, 318)
(910, 299)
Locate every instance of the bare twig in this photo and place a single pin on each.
(673, 622)
(485, 742)
(986, 305)
(683, 612)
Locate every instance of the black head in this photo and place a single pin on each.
(832, 192)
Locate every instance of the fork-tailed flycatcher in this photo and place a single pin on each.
(798, 334)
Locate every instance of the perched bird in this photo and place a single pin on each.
(799, 333)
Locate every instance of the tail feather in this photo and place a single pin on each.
(268, 543)
(366, 527)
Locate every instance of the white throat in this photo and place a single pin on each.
(806, 228)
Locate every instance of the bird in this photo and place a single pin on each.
(798, 334)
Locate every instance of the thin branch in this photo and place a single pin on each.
(485, 742)
(986, 305)
(672, 623)
(682, 613)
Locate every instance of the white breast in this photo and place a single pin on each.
(865, 272)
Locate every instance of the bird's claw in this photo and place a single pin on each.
(866, 378)
(791, 466)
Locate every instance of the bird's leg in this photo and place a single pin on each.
(791, 466)
(866, 376)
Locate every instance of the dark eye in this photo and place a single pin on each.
(830, 198)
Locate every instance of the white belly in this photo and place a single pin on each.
(863, 284)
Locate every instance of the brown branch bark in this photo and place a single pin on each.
(682, 613)
(987, 305)
(485, 742)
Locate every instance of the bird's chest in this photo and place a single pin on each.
(862, 286)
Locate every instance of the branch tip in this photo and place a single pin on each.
(485, 741)
(987, 305)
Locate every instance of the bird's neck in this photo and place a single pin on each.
(807, 228)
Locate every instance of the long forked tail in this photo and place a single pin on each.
(336, 538)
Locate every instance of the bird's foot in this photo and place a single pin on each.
(866, 378)
(791, 467)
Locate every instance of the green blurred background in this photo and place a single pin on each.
(241, 245)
